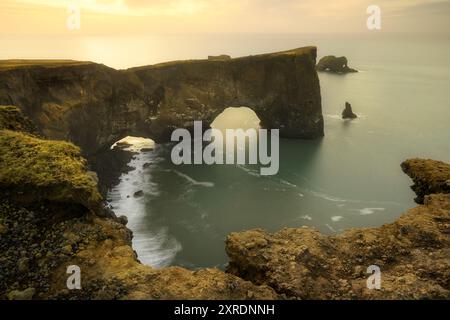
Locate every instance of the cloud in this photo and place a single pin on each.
(262, 16)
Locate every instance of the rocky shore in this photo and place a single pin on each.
(52, 216)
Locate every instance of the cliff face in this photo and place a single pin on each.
(93, 105)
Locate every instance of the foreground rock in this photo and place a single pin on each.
(413, 254)
(334, 65)
(93, 106)
(347, 113)
(429, 177)
(109, 268)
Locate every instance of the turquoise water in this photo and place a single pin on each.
(350, 178)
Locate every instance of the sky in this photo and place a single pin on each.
(124, 17)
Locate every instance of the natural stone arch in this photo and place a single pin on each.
(281, 88)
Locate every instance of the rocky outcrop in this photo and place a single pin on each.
(413, 253)
(347, 113)
(334, 65)
(11, 118)
(35, 170)
(429, 177)
(93, 105)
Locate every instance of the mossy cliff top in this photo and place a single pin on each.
(21, 63)
(33, 170)
(11, 118)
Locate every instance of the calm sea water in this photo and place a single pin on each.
(350, 178)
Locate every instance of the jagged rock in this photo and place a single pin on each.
(348, 112)
(138, 194)
(429, 176)
(94, 106)
(334, 64)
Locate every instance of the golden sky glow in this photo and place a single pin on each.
(223, 16)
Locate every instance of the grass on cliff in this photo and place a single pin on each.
(11, 118)
(45, 170)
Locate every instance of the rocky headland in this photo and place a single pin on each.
(52, 216)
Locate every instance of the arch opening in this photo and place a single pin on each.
(236, 118)
(134, 144)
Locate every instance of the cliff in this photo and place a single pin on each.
(93, 105)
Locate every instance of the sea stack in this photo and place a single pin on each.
(334, 65)
(348, 112)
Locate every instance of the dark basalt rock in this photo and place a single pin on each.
(348, 112)
(334, 64)
(93, 105)
(138, 194)
(429, 176)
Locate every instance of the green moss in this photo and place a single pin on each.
(12, 118)
(33, 169)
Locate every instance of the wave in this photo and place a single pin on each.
(193, 181)
(327, 196)
(249, 171)
(367, 211)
